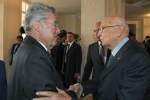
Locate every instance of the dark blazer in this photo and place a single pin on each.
(3, 82)
(93, 61)
(74, 59)
(13, 51)
(32, 71)
(126, 78)
(57, 54)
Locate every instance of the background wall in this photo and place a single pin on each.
(139, 31)
(146, 29)
(1, 29)
(10, 22)
(70, 23)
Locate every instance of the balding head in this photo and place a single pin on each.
(114, 29)
(96, 29)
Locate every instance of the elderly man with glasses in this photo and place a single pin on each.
(33, 69)
(126, 75)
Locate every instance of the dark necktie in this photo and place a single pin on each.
(109, 60)
(67, 49)
(101, 52)
(51, 57)
(57, 47)
(16, 48)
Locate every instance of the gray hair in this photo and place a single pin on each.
(36, 11)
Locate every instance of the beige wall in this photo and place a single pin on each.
(93, 11)
(142, 27)
(146, 28)
(1, 29)
(139, 28)
(10, 26)
(70, 23)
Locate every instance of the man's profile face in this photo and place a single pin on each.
(108, 35)
(96, 30)
(49, 31)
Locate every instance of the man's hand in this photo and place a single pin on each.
(76, 75)
(61, 95)
(77, 88)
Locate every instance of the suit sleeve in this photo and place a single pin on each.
(78, 59)
(39, 74)
(136, 79)
(3, 83)
(90, 86)
(12, 49)
(88, 67)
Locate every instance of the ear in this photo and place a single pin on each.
(36, 26)
(120, 31)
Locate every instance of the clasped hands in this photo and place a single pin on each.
(77, 88)
(61, 95)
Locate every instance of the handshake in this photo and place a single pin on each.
(61, 95)
(77, 88)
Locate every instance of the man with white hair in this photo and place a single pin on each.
(126, 75)
(33, 69)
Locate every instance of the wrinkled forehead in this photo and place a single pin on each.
(97, 25)
(108, 21)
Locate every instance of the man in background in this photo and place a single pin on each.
(15, 47)
(57, 54)
(71, 61)
(95, 59)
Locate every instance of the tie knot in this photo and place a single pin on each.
(68, 45)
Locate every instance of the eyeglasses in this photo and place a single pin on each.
(103, 27)
(55, 24)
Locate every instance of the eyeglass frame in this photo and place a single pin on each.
(103, 27)
(55, 24)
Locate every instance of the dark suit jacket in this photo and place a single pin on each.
(32, 71)
(127, 76)
(74, 59)
(93, 61)
(57, 54)
(3, 82)
(13, 51)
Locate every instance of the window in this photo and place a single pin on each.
(24, 9)
(25, 6)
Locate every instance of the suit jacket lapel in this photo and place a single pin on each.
(118, 57)
(32, 40)
(71, 47)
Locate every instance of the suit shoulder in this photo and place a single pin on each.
(93, 44)
(75, 44)
(2, 62)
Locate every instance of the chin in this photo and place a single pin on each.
(103, 44)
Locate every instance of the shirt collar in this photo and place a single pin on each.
(117, 48)
(99, 43)
(43, 45)
(70, 43)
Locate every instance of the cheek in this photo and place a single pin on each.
(106, 38)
